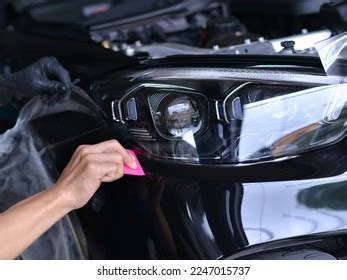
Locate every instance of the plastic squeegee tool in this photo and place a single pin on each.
(138, 171)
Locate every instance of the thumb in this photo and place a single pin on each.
(47, 86)
(60, 88)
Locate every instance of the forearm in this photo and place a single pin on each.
(25, 222)
(90, 166)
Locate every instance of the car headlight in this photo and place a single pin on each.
(230, 118)
(176, 113)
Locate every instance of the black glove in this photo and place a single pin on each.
(44, 76)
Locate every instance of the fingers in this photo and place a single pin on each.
(128, 159)
(105, 171)
(90, 166)
(60, 88)
(106, 146)
(44, 76)
(113, 175)
(55, 78)
(111, 146)
(61, 73)
(54, 70)
(114, 158)
(43, 85)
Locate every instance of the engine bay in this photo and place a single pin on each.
(155, 29)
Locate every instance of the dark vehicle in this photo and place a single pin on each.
(242, 139)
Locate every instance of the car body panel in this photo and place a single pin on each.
(201, 211)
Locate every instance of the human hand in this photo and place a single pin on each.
(44, 76)
(90, 166)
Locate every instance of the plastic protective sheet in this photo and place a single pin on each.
(333, 53)
(25, 169)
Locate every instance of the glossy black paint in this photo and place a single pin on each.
(203, 211)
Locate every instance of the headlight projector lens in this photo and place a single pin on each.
(177, 115)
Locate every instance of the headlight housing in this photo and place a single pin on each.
(230, 116)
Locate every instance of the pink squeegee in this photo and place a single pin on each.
(134, 172)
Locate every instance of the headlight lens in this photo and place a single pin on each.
(248, 121)
(290, 123)
(177, 114)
